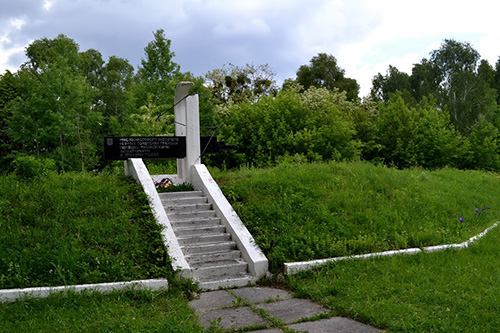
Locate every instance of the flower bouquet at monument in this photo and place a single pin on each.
(167, 185)
(163, 184)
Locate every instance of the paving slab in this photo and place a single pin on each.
(221, 304)
(291, 310)
(261, 294)
(212, 300)
(233, 317)
(334, 324)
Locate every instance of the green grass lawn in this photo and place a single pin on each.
(77, 228)
(449, 291)
(83, 228)
(314, 211)
(125, 311)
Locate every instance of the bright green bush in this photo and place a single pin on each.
(31, 167)
(417, 136)
(484, 147)
(316, 124)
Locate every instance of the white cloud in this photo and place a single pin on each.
(254, 26)
(8, 46)
(18, 23)
(405, 32)
(47, 5)
(364, 35)
(6, 53)
(489, 48)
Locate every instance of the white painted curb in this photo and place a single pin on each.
(300, 266)
(12, 295)
(296, 267)
(136, 168)
(257, 261)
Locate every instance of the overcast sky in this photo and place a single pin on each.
(364, 35)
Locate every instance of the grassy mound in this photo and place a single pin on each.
(312, 211)
(76, 228)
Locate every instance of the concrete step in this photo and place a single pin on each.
(187, 208)
(220, 262)
(214, 259)
(195, 222)
(222, 269)
(205, 238)
(229, 281)
(198, 259)
(196, 230)
(185, 194)
(180, 216)
(209, 247)
(184, 201)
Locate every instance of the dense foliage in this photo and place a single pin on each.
(324, 72)
(315, 124)
(61, 103)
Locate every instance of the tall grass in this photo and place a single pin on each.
(76, 228)
(311, 211)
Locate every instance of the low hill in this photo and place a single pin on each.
(312, 211)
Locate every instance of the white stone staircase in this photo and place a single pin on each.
(209, 250)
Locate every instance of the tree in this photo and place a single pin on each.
(410, 136)
(158, 66)
(91, 67)
(316, 124)
(385, 85)
(238, 84)
(157, 79)
(8, 92)
(485, 147)
(497, 79)
(43, 53)
(323, 72)
(53, 114)
(159, 71)
(424, 80)
(118, 102)
(466, 94)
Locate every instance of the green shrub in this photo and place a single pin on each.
(316, 124)
(31, 167)
(416, 136)
(484, 147)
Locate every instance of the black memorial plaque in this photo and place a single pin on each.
(124, 147)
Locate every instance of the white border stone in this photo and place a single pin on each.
(12, 295)
(300, 266)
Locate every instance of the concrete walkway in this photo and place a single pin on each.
(262, 309)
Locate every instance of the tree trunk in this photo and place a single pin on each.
(80, 143)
